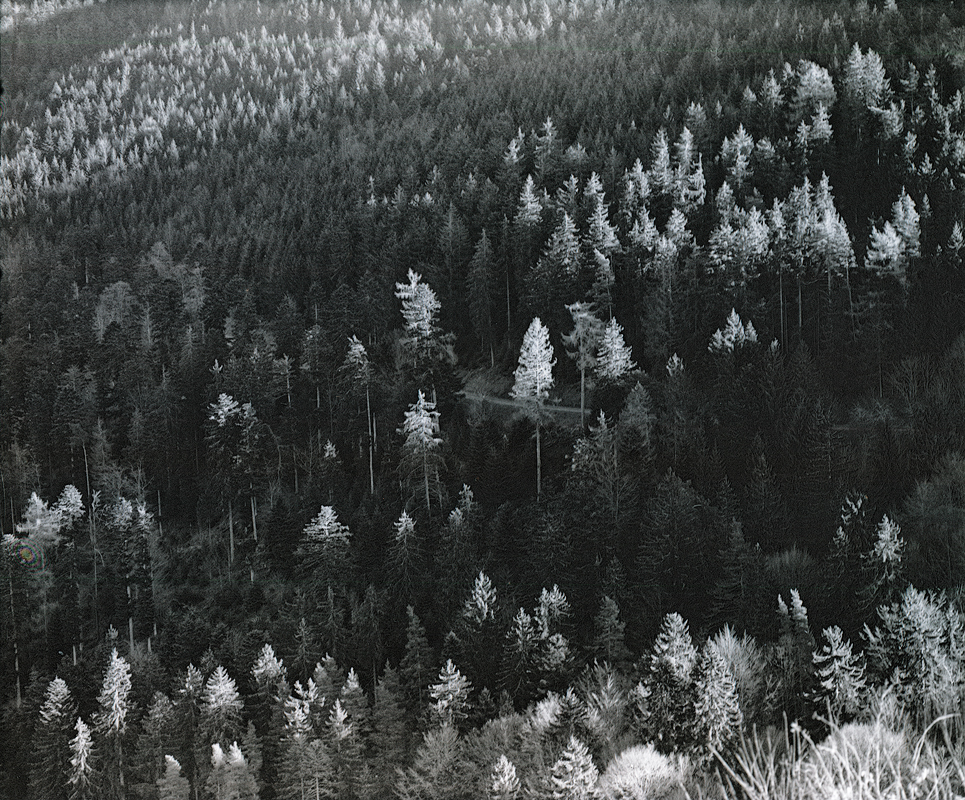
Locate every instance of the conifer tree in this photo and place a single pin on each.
(52, 738)
(83, 779)
(613, 358)
(671, 684)
(425, 346)
(323, 550)
(716, 705)
(220, 720)
(574, 775)
(451, 696)
(358, 372)
(480, 283)
(503, 782)
(435, 773)
(581, 344)
(520, 657)
(840, 677)
(390, 734)
(345, 748)
(405, 556)
(422, 460)
(114, 703)
(609, 641)
(534, 379)
(415, 669)
(172, 785)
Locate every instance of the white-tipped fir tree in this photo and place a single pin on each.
(613, 357)
(574, 776)
(358, 373)
(172, 785)
(425, 348)
(450, 696)
(503, 781)
(716, 705)
(422, 460)
(83, 778)
(52, 736)
(114, 705)
(840, 676)
(220, 720)
(671, 685)
(534, 379)
(323, 550)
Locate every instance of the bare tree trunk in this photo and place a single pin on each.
(231, 535)
(539, 464)
(368, 419)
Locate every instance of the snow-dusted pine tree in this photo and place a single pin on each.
(450, 695)
(52, 736)
(574, 775)
(613, 357)
(83, 780)
(422, 462)
(534, 379)
(503, 781)
(840, 677)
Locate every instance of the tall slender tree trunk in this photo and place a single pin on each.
(539, 464)
(254, 512)
(231, 535)
(583, 398)
(368, 420)
(16, 646)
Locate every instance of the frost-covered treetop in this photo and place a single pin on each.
(735, 334)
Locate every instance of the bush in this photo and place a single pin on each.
(642, 773)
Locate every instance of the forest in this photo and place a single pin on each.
(504, 399)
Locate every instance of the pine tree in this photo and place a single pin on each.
(840, 676)
(221, 709)
(435, 773)
(574, 775)
(450, 695)
(52, 742)
(671, 684)
(172, 785)
(415, 669)
(358, 372)
(83, 779)
(581, 344)
(613, 361)
(503, 782)
(422, 460)
(520, 657)
(114, 703)
(534, 379)
(390, 736)
(609, 642)
(425, 347)
(230, 777)
(345, 748)
(716, 705)
(405, 555)
(480, 283)
(323, 550)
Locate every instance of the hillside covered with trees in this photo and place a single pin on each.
(497, 399)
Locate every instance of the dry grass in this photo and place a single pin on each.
(874, 760)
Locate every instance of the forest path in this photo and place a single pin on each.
(567, 415)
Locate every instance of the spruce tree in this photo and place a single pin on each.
(52, 738)
(114, 703)
(415, 669)
(422, 462)
(450, 695)
(613, 358)
(609, 641)
(840, 677)
(716, 705)
(574, 776)
(534, 379)
(172, 785)
(503, 782)
(83, 778)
